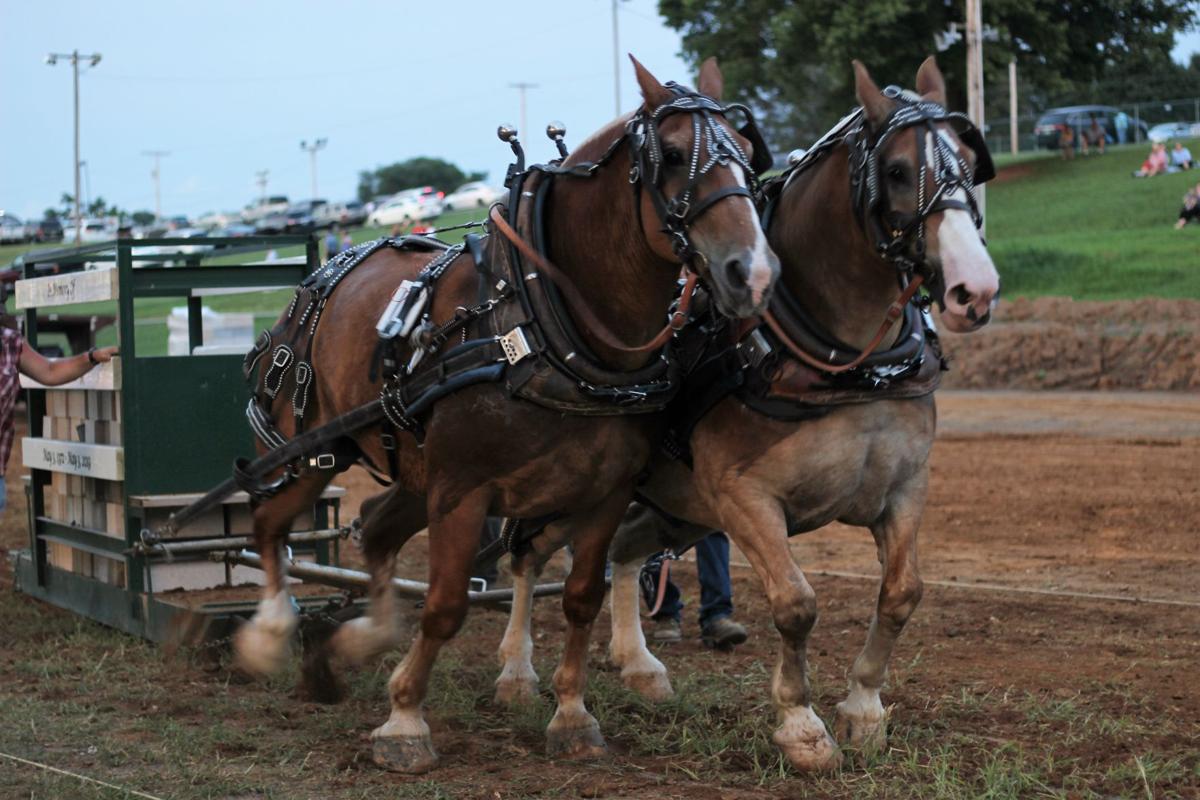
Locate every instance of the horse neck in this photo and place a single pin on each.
(594, 236)
(826, 261)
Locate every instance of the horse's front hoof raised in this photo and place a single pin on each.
(412, 755)
(259, 650)
(865, 732)
(807, 744)
(576, 743)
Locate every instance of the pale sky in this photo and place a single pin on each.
(230, 88)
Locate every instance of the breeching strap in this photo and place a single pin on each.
(894, 312)
(579, 305)
(664, 577)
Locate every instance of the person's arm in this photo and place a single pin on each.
(57, 371)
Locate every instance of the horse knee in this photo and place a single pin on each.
(898, 599)
(796, 613)
(443, 619)
(582, 606)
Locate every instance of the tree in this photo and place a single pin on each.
(422, 171)
(142, 217)
(791, 61)
(50, 213)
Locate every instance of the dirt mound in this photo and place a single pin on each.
(1059, 343)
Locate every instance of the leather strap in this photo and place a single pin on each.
(894, 312)
(578, 304)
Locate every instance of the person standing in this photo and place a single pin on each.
(717, 627)
(18, 358)
(332, 244)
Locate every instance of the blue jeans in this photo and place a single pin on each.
(716, 590)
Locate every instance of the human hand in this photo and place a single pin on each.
(103, 355)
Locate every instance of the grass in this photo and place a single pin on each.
(81, 697)
(1088, 230)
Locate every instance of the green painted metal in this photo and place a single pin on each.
(182, 418)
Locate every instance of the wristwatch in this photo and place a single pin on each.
(91, 354)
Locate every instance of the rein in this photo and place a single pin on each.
(894, 312)
(578, 304)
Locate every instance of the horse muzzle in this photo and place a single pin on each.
(742, 280)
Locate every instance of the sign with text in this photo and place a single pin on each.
(91, 460)
(74, 287)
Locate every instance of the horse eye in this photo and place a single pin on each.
(673, 158)
(896, 173)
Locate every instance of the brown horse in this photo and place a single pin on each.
(486, 452)
(761, 478)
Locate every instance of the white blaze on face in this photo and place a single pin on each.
(965, 262)
(761, 272)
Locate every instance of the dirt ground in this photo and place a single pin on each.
(1054, 654)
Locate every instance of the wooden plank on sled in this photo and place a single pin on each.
(74, 287)
(90, 460)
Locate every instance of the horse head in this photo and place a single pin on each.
(697, 176)
(917, 166)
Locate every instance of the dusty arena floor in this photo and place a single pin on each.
(1054, 654)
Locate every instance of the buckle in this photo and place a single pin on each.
(515, 345)
(388, 441)
(323, 461)
(754, 348)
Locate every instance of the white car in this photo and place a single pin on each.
(407, 207)
(1173, 130)
(476, 194)
(95, 230)
(12, 229)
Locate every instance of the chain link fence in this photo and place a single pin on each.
(1139, 118)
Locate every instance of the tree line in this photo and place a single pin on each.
(790, 61)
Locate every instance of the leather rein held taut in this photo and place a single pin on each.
(712, 147)
(898, 238)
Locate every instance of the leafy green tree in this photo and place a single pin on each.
(142, 217)
(791, 60)
(421, 171)
(50, 213)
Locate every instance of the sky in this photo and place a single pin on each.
(231, 88)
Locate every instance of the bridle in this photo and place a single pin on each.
(898, 237)
(712, 147)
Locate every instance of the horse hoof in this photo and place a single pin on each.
(576, 744)
(653, 686)
(807, 744)
(257, 651)
(866, 733)
(516, 691)
(412, 755)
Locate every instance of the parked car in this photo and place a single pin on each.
(1050, 125)
(407, 207)
(234, 230)
(343, 214)
(476, 194)
(275, 204)
(46, 230)
(1174, 130)
(12, 230)
(301, 217)
(275, 222)
(97, 230)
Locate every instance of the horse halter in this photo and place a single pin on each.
(712, 146)
(900, 237)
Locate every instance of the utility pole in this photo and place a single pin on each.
(522, 87)
(311, 149)
(616, 62)
(260, 178)
(975, 77)
(1012, 106)
(156, 155)
(93, 59)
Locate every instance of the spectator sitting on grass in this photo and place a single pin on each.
(1191, 208)
(1066, 143)
(1181, 157)
(1155, 163)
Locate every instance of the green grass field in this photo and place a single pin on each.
(1088, 230)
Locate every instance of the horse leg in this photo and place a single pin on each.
(403, 744)
(518, 682)
(640, 670)
(756, 524)
(573, 732)
(861, 719)
(261, 643)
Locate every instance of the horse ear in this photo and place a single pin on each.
(869, 97)
(711, 82)
(653, 92)
(930, 83)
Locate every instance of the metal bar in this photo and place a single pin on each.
(232, 542)
(180, 281)
(81, 537)
(353, 579)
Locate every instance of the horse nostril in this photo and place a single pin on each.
(737, 271)
(962, 295)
